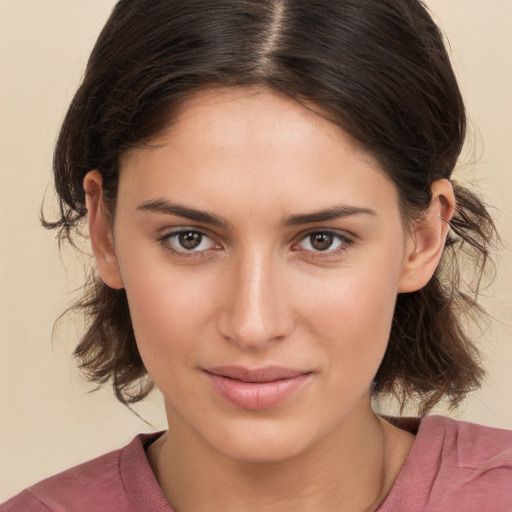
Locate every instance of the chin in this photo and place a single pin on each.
(262, 443)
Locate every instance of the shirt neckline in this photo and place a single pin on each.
(145, 493)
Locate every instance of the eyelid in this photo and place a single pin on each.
(345, 238)
(166, 235)
(169, 231)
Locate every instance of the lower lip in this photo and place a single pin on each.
(257, 395)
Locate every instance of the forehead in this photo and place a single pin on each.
(228, 142)
(237, 108)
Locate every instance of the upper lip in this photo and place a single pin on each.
(264, 374)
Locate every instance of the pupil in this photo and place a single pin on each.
(190, 239)
(322, 241)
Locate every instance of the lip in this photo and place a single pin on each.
(259, 388)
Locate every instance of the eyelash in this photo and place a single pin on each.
(166, 241)
(344, 243)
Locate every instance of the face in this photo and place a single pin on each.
(261, 253)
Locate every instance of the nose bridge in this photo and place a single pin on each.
(257, 312)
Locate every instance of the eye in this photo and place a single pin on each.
(186, 241)
(324, 241)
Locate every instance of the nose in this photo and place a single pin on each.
(256, 311)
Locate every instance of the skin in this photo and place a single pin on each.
(257, 291)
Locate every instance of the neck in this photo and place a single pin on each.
(352, 469)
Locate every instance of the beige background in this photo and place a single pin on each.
(48, 420)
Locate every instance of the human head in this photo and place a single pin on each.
(376, 68)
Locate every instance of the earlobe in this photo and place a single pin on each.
(100, 231)
(427, 239)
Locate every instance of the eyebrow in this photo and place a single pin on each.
(336, 212)
(165, 207)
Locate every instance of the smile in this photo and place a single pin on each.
(261, 388)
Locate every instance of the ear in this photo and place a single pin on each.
(100, 231)
(427, 239)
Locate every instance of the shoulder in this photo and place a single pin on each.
(467, 447)
(24, 501)
(98, 484)
(456, 465)
(79, 488)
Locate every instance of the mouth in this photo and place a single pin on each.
(260, 388)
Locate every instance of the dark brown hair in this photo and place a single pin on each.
(377, 68)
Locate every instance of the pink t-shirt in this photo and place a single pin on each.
(454, 466)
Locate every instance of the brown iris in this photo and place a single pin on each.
(190, 239)
(321, 241)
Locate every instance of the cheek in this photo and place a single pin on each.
(170, 310)
(352, 317)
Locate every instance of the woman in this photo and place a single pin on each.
(268, 195)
